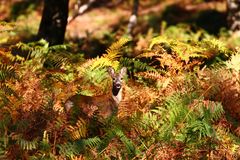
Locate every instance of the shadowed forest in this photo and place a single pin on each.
(119, 79)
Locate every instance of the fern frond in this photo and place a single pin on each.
(150, 75)
(56, 61)
(94, 70)
(109, 59)
(136, 65)
(217, 46)
(126, 141)
(7, 90)
(234, 63)
(7, 72)
(69, 150)
(150, 54)
(113, 52)
(79, 131)
(73, 149)
(184, 50)
(116, 132)
(91, 142)
(26, 144)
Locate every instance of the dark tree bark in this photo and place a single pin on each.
(54, 21)
(233, 7)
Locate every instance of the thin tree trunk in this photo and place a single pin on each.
(133, 19)
(233, 18)
(54, 21)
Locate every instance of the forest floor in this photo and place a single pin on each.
(102, 20)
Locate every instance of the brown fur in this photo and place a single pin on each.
(103, 106)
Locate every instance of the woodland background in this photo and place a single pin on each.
(181, 96)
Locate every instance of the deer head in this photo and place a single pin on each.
(117, 79)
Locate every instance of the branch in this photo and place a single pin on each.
(81, 9)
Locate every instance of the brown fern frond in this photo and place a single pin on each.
(136, 99)
(32, 93)
(150, 75)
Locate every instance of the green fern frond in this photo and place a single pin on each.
(215, 110)
(216, 45)
(32, 50)
(184, 50)
(26, 144)
(7, 72)
(113, 52)
(106, 140)
(72, 149)
(3, 147)
(94, 70)
(69, 150)
(117, 132)
(126, 141)
(109, 59)
(56, 61)
(96, 76)
(91, 142)
(59, 48)
(136, 65)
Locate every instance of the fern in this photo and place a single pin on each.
(8, 90)
(56, 61)
(79, 131)
(39, 54)
(72, 149)
(184, 50)
(179, 48)
(91, 142)
(136, 65)
(184, 117)
(93, 71)
(113, 52)
(26, 144)
(117, 132)
(5, 93)
(195, 120)
(96, 76)
(7, 72)
(3, 153)
(234, 63)
(69, 150)
(109, 59)
(126, 141)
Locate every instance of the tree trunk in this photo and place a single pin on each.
(133, 19)
(233, 18)
(54, 21)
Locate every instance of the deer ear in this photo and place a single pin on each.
(111, 71)
(123, 71)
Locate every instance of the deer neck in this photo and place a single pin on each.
(117, 94)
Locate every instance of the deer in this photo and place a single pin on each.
(106, 105)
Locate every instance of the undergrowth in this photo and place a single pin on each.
(181, 100)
